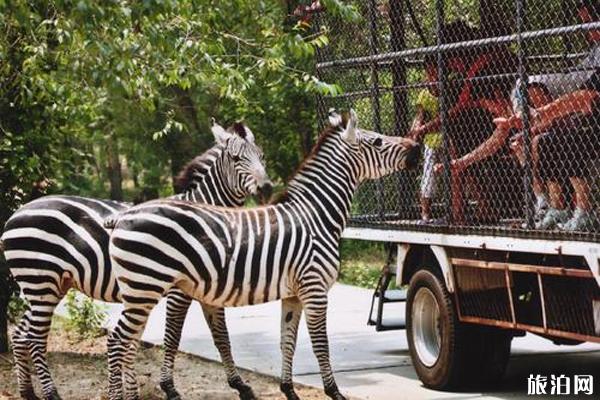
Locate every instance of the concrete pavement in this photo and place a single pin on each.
(368, 364)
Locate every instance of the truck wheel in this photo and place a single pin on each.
(446, 353)
(435, 338)
(491, 362)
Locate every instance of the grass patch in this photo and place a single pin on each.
(361, 262)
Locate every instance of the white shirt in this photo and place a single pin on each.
(563, 83)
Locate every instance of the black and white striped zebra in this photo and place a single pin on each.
(59, 242)
(227, 257)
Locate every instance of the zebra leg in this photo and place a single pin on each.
(177, 306)
(291, 312)
(42, 310)
(20, 349)
(115, 366)
(122, 345)
(315, 310)
(129, 375)
(215, 317)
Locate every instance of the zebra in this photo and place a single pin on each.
(287, 250)
(58, 242)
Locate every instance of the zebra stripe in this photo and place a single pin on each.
(287, 250)
(59, 242)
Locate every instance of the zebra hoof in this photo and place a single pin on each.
(247, 394)
(53, 396)
(242, 387)
(334, 393)
(169, 388)
(288, 390)
(173, 395)
(29, 394)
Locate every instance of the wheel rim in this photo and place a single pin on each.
(426, 327)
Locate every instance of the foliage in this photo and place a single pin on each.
(17, 306)
(356, 273)
(361, 262)
(85, 318)
(92, 88)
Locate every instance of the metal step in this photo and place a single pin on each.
(394, 296)
(388, 324)
(381, 296)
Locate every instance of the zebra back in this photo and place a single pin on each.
(58, 237)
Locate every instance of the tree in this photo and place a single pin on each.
(111, 99)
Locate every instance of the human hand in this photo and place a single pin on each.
(456, 166)
(514, 121)
(417, 133)
(516, 140)
(516, 146)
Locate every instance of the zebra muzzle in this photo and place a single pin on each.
(264, 192)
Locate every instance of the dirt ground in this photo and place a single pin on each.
(80, 372)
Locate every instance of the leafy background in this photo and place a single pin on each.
(109, 99)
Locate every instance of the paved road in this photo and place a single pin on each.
(368, 365)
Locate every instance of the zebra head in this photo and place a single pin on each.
(376, 155)
(244, 160)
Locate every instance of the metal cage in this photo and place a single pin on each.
(502, 94)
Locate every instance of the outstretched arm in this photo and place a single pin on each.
(483, 151)
(419, 118)
(580, 101)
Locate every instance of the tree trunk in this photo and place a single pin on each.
(182, 146)
(307, 140)
(5, 293)
(115, 176)
(188, 108)
(303, 123)
(181, 149)
(5, 288)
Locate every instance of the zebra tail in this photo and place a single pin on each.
(13, 286)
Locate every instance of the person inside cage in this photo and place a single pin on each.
(566, 142)
(460, 65)
(538, 96)
(504, 141)
(469, 122)
(566, 139)
(426, 110)
(562, 83)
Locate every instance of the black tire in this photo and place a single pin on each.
(492, 361)
(469, 355)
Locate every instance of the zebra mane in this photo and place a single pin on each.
(283, 196)
(194, 169)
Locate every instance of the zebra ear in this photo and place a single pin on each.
(334, 117)
(349, 134)
(250, 135)
(247, 133)
(220, 134)
(239, 129)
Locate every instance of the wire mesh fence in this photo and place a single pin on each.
(503, 96)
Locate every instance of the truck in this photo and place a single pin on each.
(485, 268)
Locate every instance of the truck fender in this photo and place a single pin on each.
(439, 253)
